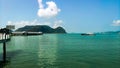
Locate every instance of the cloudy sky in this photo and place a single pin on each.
(74, 15)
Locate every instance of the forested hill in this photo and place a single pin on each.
(41, 28)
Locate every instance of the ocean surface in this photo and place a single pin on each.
(63, 51)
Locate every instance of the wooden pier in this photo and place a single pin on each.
(4, 37)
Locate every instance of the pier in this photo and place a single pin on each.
(4, 37)
(25, 33)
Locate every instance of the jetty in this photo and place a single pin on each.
(4, 37)
(25, 33)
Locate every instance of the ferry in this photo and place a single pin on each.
(91, 34)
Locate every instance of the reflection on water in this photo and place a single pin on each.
(63, 51)
(47, 51)
(33, 51)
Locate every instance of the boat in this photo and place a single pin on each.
(91, 34)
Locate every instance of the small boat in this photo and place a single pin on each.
(91, 34)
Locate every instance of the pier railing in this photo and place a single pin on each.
(3, 38)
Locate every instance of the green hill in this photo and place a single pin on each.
(41, 28)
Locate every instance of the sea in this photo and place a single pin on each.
(63, 51)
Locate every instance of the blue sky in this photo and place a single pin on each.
(74, 15)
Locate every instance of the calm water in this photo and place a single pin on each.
(63, 51)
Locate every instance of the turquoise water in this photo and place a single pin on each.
(63, 51)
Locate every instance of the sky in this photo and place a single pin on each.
(76, 16)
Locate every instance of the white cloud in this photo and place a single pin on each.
(40, 4)
(116, 23)
(57, 23)
(50, 11)
(24, 23)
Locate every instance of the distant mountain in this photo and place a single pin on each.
(110, 32)
(113, 32)
(41, 28)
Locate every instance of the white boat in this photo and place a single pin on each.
(87, 34)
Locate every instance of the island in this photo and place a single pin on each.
(38, 29)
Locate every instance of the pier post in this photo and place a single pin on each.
(4, 51)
